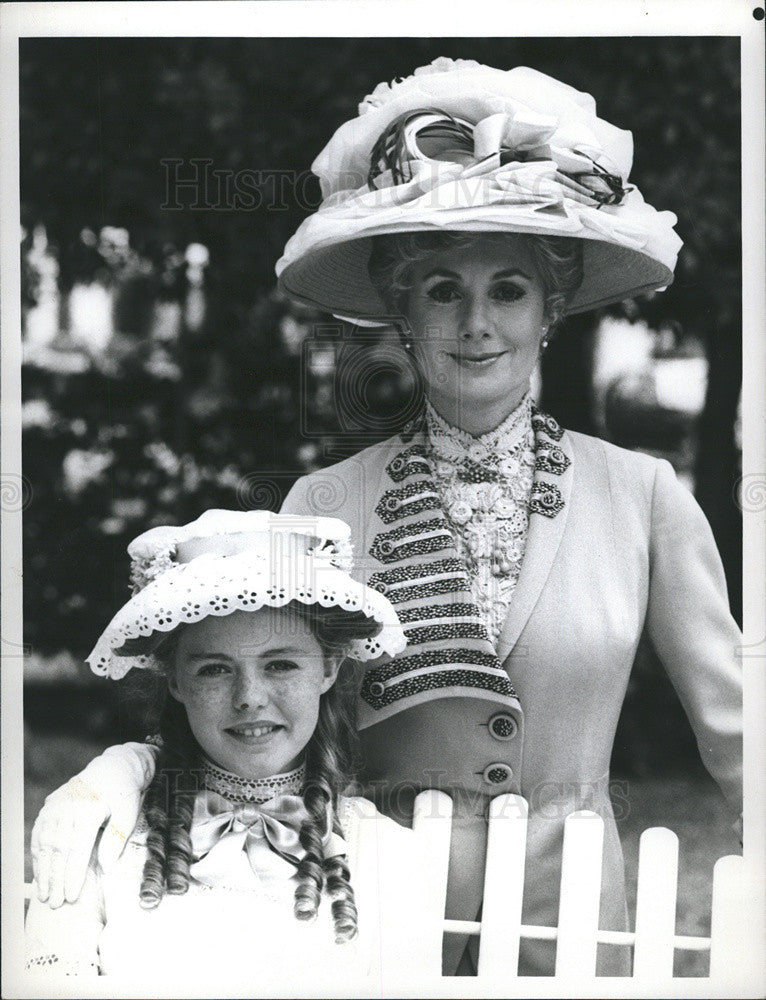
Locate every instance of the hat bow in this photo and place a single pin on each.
(458, 149)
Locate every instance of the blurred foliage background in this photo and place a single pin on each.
(163, 375)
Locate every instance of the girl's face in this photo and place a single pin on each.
(251, 683)
(477, 316)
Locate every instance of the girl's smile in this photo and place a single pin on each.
(250, 683)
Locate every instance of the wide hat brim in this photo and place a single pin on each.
(521, 153)
(334, 278)
(212, 585)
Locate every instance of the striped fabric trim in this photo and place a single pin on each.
(546, 424)
(438, 613)
(446, 630)
(436, 658)
(413, 498)
(425, 589)
(386, 580)
(455, 678)
(408, 540)
(410, 462)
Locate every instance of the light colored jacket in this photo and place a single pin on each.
(629, 549)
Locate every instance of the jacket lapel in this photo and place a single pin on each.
(549, 507)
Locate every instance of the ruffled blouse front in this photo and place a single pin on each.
(485, 484)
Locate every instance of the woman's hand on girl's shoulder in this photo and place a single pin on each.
(105, 795)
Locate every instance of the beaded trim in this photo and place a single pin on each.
(445, 630)
(435, 657)
(378, 694)
(405, 500)
(545, 424)
(432, 613)
(412, 540)
(550, 458)
(492, 478)
(237, 789)
(546, 499)
(408, 462)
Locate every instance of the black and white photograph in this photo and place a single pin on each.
(383, 445)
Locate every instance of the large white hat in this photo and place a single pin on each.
(459, 146)
(229, 560)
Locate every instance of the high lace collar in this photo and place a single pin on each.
(452, 444)
(237, 789)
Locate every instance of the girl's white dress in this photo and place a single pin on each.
(239, 925)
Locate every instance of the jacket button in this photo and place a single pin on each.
(503, 726)
(496, 774)
(377, 689)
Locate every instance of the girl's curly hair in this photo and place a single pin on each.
(331, 756)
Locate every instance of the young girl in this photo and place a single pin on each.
(246, 856)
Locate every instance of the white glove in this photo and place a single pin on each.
(108, 791)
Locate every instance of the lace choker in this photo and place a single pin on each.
(237, 789)
(452, 444)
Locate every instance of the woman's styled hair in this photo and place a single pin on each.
(330, 762)
(559, 260)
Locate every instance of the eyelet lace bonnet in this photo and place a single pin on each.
(227, 561)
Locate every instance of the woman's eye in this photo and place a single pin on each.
(281, 666)
(212, 669)
(443, 291)
(508, 292)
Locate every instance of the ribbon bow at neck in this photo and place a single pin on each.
(267, 835)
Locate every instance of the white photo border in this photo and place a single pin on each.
(391, 18)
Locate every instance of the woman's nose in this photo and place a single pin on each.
(474, 321)
(250, 691)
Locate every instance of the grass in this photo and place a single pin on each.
(690, 806)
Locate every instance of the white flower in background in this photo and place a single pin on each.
(37, 413)
(129, 508)
(113, 525)
(80, 468)
(322, 360)
(90, 316)
(307, 454)
(163, 457)
(293, 334)
(229, 476)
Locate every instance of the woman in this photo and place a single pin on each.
(474, 208)
(245, 842)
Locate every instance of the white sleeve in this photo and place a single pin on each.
(64, 941)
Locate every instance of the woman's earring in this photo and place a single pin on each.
(408, 345)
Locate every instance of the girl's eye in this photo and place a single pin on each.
(281, 666)
(443, 291)
(212, 669)
(507, 291)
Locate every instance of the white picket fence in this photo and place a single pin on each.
(731, 944)
(577, 935)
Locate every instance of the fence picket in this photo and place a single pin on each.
(577, 946)
(503, 887)
(734, 948)
(730, 942)
(432, 826)
(656, 903)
